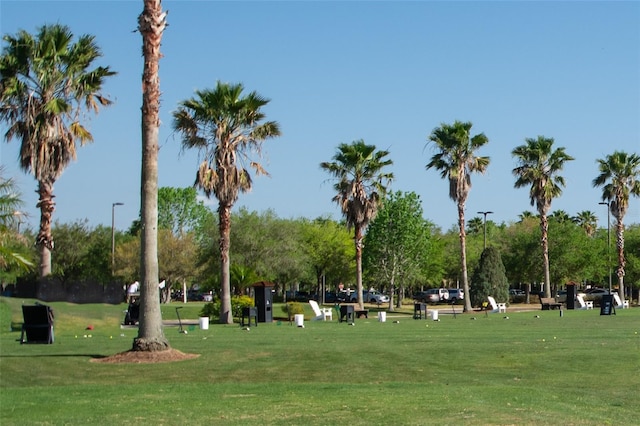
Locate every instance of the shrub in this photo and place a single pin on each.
(292, 308)
(212, 310)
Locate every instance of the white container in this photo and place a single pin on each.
(299, 320)
(382, 316)
(434, 315)
(204, 323)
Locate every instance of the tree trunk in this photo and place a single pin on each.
(544, 241)
(44, 240)
(150, 335)
(224, 227)
(358, 242)
(463, 258)
(621, 262)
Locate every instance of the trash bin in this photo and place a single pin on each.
(347, 313)
(434, 315)
(204, 323)
(299, 320)
(419, 309)
(382, 316)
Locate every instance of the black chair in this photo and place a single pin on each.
(38, 324)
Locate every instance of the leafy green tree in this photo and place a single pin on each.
(456, 159)
(46, 84)
(489, 279)
(360, 186)
(576, 256)
(179, 210)
(620, 179)
(519, 241)
(397, 242)
(225, 127)
(539, 167)
(151, 25)
(329, 249)
(82, 253)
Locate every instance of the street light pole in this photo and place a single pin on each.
(608, 239)
(484, 225)
(113, 235)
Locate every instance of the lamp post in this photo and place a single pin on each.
(113, 234)
(18, 214)
(484, 225)
(608, 238)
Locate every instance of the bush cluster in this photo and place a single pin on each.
(212, 310)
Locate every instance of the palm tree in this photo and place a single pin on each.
(526, 215)
(586, 220)
(620, 179)
(475, 225)
(151, 24)
(45, 85)
(560, 216)
(225, 127)
(456, 160)
(361, 187)
(538, 166)
(13, 253)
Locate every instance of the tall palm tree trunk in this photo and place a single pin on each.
(544, 242)
(44, 240)
(621, 262)
(463, 257)
(151, 24)
(224, 213)
(358, 241)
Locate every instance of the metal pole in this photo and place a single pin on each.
(484, 225)
(113, 235)
(608, 241)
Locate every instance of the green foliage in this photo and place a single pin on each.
(329, 247)
(212, 309)
(179, 211)
(82, 252)
(292, 308)
(489, 279)
(397, 243)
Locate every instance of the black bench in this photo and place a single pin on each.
(549, 303)
(362, 313)
(249, 313)
(38, 324)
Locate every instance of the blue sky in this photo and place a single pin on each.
(385, 72)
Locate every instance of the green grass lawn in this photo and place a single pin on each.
(579, 369)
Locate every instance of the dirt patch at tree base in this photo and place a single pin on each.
(139, 357)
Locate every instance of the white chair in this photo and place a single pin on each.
(588, 304)
(619, 303)
(496, 307)
(321, 313)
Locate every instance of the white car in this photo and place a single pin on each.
(371, 297)
(456, 294)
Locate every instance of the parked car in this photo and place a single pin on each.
(595, 294)
(433, 295)
(516, 292)
(456, 294)
(561, 296)
(332, 297)
(372, 296)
